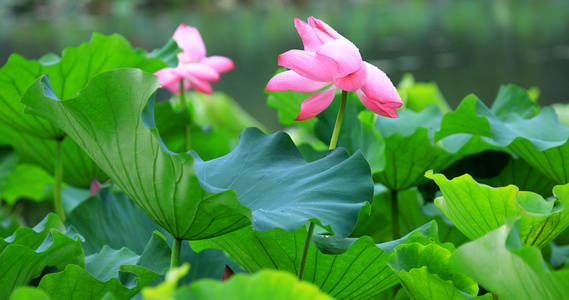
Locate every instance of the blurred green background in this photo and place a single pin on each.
(464, 46)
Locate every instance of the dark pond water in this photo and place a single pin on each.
(464, 46)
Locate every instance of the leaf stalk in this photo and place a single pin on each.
(333, 143)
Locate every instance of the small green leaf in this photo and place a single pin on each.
(23, 257)
(418, 95)
(426, 274)
(101, 274)
(266, 283)
(279, 285)
(27, 292)
(112, 219)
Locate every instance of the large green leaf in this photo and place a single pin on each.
(27, 182)
(78, 168)
(267, 283)
(477, 209)
(70, 74)
(508, 269)
(540, 139)
(23, 257)
(426, 273)
(101, 274)
(109, 121)
(414, 212)
(349, 268)
(276, 187)
(8, 161)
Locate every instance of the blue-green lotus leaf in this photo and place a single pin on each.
(514, 122)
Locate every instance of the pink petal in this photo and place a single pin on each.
(316, 103)
(290, 81)
(379, 88)
(167, 76)
(309, 38)
(353, 81)
(201, 86)
(221, 64)
(376, 106)
(309, 65)
(325, 28)
(197, 70)
(190, 41)
(345, 53)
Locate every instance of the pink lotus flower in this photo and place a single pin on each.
(329, 61)
(194, 68)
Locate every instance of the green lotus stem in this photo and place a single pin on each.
(339, 120)
(58, 176)
(305, 250)
(395, 215)
(494, 297)
(333, 143)
(176, 249)
(187, 141)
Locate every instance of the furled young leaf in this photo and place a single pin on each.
(502, 265)
(477, 209)
(426, 274)
(168, 53)
(266, 283)
(101, 274)
(23, 257)
(284, 191)
(513, 122)
(418, 95)
(352, 269)
(69, 75)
